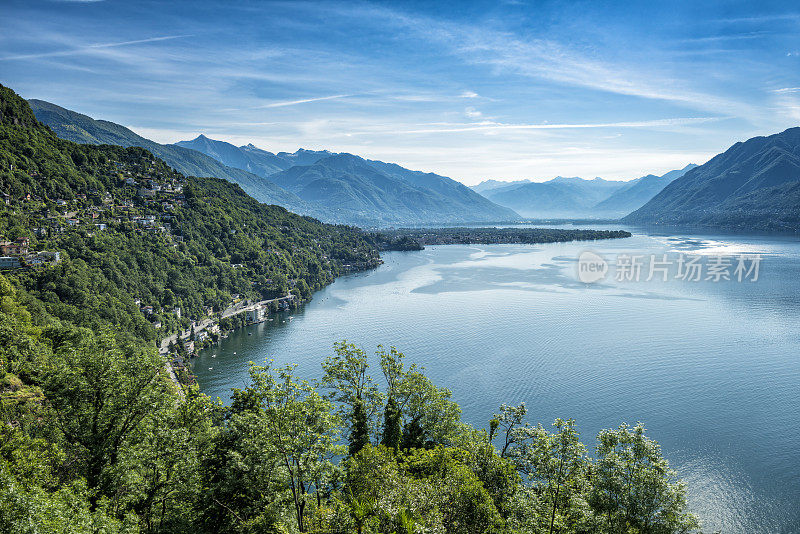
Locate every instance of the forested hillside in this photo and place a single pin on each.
(94, 437)
(130, 228)
(82, 129)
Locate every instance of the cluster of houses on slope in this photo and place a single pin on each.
(16, 254)
(153, 187)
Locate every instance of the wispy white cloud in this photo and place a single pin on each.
(761, 18)
(488, 126)
(449, 99)
(301, 101)
(728, 37)
(472, 113)
(90, 48)
(550, 60)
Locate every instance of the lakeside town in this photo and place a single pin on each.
(179, 347)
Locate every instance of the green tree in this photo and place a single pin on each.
(359, 433)
(393, 367)
(347, 376)
(634, 489)
(556, 466)
(241, 473)
(302, 426)
(509, 425)
(101, 395)
(431, 417)
(392, 431)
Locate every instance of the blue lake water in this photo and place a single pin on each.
(711, 368)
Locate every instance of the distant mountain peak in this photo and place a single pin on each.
(345, 157)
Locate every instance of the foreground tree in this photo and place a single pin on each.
(556, 466)
(393, 367)
(634, 489)
(347, 377)
(102, 394)
(302, 428)
(508, 424)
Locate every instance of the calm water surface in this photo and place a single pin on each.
(712, 369)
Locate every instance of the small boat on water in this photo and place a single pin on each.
(213, 355)
(234, 353)
(249, 333)
(210, 368)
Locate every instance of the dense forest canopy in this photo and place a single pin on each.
(189, 243)
(94, 437)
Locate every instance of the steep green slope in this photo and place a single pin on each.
(83, 129)
(188, 242)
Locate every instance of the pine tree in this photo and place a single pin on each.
(391, 425)
(413, 435)
(359, 435)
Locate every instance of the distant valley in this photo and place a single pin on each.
(577, 197)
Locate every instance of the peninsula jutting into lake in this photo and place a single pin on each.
(417, 238)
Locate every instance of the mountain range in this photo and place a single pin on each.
(557, 198)
(637, 193)
(494, 185)
(83, 129)
(754, 185)
(339, 188)
(577, 197)
(360, 191)
(251, 158)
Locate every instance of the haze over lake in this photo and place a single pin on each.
(710, 368)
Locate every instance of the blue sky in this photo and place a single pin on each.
(472, 90)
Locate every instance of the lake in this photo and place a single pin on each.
(711, 368)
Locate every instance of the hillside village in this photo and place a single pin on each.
(145, 198)
(144, 201)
